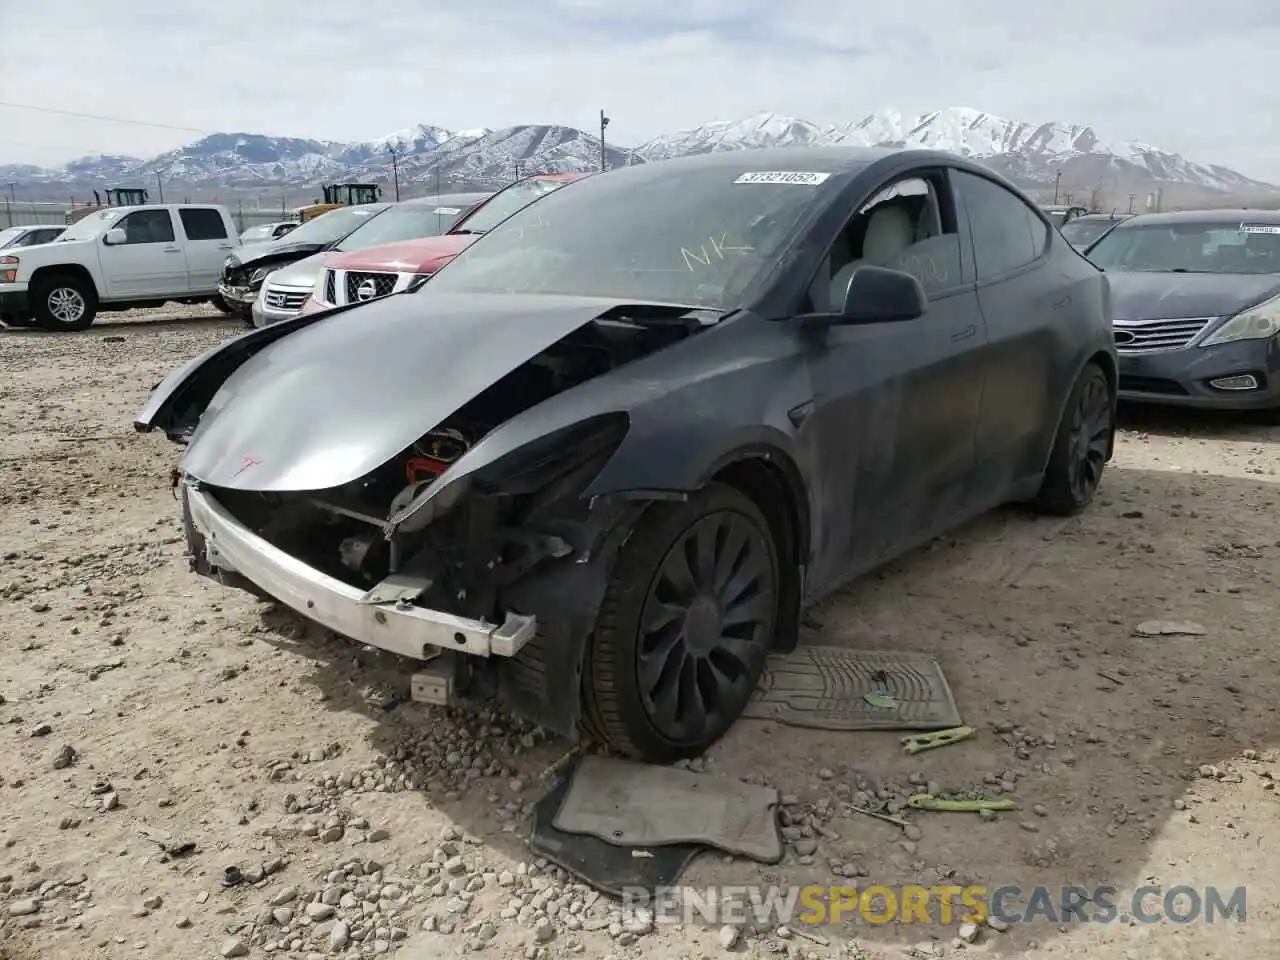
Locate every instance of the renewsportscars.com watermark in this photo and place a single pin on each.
(818, 905)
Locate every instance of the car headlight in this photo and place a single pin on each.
(226, 264)
(259, 275)
(1257, 323)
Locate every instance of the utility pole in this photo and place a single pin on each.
(9, 203)
(517, 169)
(395, 169)
(160, 186)
(1057, 183)
(604, 122)
(1131, 199)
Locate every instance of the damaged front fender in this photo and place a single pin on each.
(176, 402)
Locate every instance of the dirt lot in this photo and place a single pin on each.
(135, 697)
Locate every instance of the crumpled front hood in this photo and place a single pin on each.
(1169, 296)
(255, 255)
(330, 402)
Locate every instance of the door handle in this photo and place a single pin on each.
(226, 246)
(172, 250)
(964, 334)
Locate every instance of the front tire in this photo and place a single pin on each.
(221, 305)
(688, 618)
(1081, 446)
(64, 302)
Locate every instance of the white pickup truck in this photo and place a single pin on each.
(118, 258)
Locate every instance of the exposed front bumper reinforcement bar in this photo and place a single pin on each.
(401, 628)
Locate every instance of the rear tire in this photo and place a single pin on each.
(1081, 446)
(64, 302)
(689, 616)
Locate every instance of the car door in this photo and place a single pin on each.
(1025, 306)
(208, 241)
(896, 404)
(150, 263)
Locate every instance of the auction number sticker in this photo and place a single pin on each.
(1260, 228)
(805, 178)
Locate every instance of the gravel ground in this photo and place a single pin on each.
(193, 773)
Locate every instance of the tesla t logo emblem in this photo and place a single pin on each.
(366, 291)
(1124, 337)
(245, 464)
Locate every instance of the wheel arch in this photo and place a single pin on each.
(771, 480)
(1109, 367)
(76, 270)
(1107, 361)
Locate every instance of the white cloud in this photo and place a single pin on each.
(1193, 79)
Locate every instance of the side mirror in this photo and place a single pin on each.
(114, 237)
(881, 295)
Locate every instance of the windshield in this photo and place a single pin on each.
(506, 202)
(333, 225)
(256, 233)
(702, 235)
(90, 226)
(1244, 248)
(410, 221)
(1081, 233)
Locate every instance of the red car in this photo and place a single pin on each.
(380, 271)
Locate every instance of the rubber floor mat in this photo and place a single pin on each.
(831, 688)
(604, 866)
(637, 805)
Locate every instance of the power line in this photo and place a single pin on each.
(96, 116)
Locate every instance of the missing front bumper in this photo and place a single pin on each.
(399, 628)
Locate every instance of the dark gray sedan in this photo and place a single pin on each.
(600, 463)
(1196, 301)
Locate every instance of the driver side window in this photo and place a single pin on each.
(147, 226)
(909, 225)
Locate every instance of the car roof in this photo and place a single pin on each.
(448, 199)
(38, 226)
(1101, 216)
(1231, 217)
(825, 159)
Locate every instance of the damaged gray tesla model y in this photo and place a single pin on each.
(599, 464)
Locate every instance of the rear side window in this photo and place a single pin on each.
(1007, 232)
(202, 224)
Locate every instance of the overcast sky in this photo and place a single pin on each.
(1199, 79)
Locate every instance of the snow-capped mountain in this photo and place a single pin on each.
(1033, 154)
(1029, 153)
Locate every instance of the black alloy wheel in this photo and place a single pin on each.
(1081, 445)
(688, 619)
(1092, 421)
(706, 626)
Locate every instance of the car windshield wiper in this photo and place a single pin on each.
(466, 231)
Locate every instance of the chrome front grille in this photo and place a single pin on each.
(382, 283)
(285, 299)
(330, 287)
(1151, 336)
